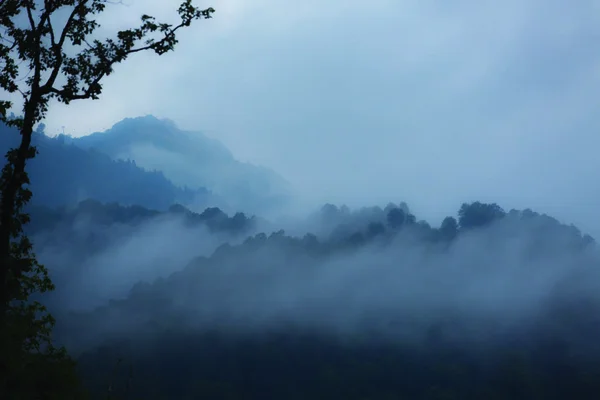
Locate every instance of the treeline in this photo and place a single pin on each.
(96, 251)
(359, 227)
(95, 213)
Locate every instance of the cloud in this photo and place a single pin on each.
(357, 102)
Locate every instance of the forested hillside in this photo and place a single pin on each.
(63, 174)
(491, 304)
(150, 262)
(97, 251)
(365, 303)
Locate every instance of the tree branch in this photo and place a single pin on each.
(57, 48)
(155, 45)
(51, 29)
(48, 9)
(105, 65)
(89, 93)
(30, 17)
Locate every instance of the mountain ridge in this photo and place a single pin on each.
(190, 158)
(63, 174)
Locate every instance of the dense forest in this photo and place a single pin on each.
(373, 303)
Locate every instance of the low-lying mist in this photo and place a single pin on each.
(493, 285)
(92, 262)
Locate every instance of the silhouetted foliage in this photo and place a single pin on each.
(396, 218)
(36, 65)
(478, 214)
(449, 228)
(375, 229)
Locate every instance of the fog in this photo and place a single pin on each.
(432, 103)
(482, 276)
(489, 286)
(293, 107)
(92, 263)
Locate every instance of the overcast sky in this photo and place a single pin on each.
(432, 102)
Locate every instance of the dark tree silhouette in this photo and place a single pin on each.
(449, 228)
(375, 229)
(396, 218)
(36, 65)
(478, 214)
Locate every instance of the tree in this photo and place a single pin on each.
(375, 229)
(396, 218)
(449, 228)
(238, 222)
(41, 61)
(479, 214)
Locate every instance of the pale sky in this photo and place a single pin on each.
(362, 102)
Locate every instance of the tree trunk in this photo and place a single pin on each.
(8, 205)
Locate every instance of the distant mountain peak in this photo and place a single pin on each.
(141, 123)
(192, 159)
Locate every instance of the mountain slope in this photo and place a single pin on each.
(63, 174)
(191, 159)
(489, 298)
